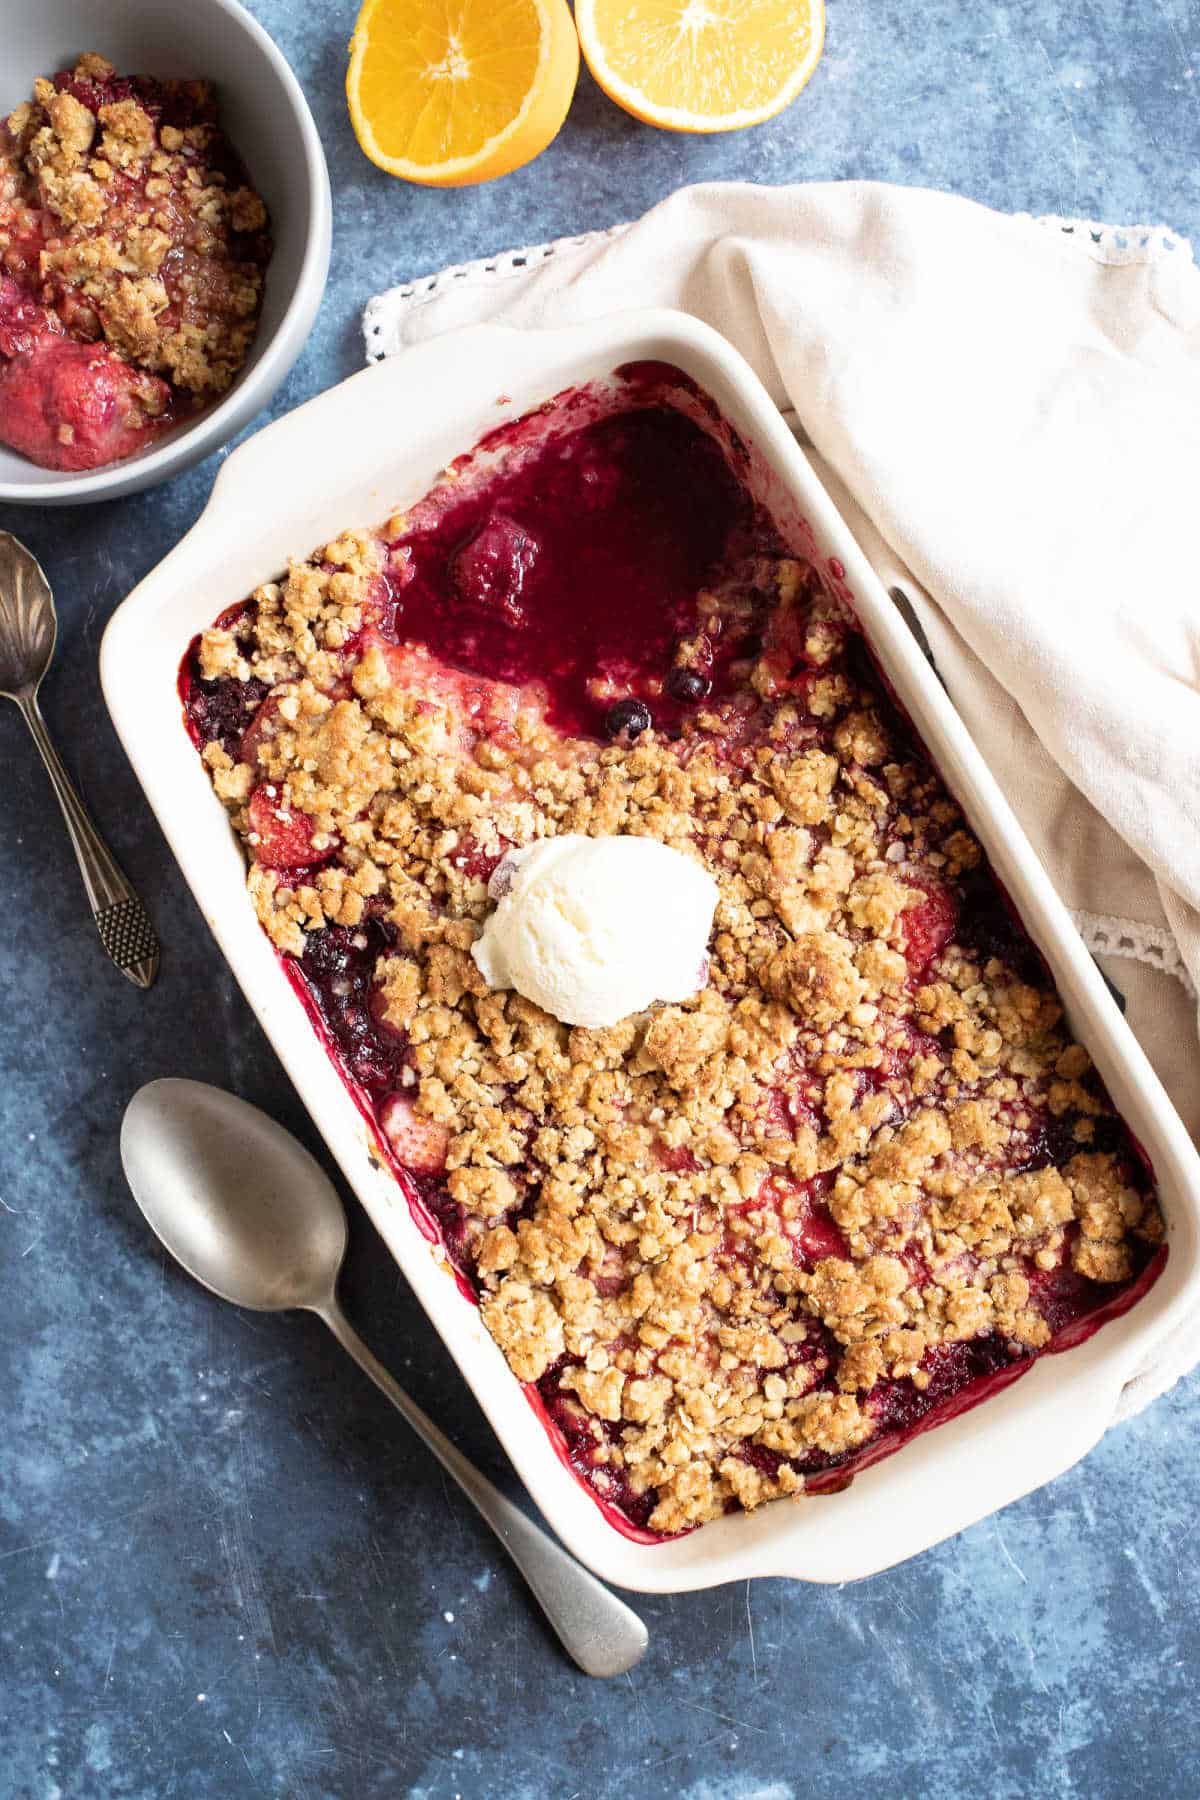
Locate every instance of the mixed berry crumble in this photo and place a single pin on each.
(132, 252)
(737, 1247)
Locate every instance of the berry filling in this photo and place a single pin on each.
(578, 571)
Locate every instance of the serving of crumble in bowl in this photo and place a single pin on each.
(715, 1272)
(164, 239)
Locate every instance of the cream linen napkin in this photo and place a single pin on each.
(1008, 412)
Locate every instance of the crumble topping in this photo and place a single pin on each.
(131, 228)
(730, 1237)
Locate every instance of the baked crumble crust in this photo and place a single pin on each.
(133, 230)
(720, 1225)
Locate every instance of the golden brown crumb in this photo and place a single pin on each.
(816, 976)
(91, 65)
(120, 195)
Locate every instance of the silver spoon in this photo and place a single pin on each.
(28, 628)
(248, 1212)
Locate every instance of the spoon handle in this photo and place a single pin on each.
(121, 919)
(602, 1634)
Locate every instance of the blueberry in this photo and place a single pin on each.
(687, 684)
(628, 719)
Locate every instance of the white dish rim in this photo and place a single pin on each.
(280, 493)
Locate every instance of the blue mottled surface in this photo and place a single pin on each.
(224, 1568)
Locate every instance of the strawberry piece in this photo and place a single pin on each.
(676, 1158)
(282, 836)
(72, 406)
(419, 1143)
(476, 863)
(928, 926)
(262, 726)
(811, 1229)
(23, 320)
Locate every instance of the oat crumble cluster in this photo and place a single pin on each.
(126, 219)
(738, 1240)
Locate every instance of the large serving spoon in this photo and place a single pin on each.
(28, 628)
(249, 1213)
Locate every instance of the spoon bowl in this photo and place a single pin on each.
(233, 1196)
(28, 622)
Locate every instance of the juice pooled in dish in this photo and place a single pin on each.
(132, 251)
(830, 1173)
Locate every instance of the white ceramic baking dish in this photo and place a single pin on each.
(376, 442)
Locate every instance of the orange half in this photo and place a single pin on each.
(453, 92)
(701, 65)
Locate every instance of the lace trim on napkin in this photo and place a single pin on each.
(1117, 244)
(383, 311)
(1106, 935)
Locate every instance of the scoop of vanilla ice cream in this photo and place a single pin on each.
(593, 929)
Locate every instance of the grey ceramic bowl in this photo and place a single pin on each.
(267, 119)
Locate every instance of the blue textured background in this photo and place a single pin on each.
(225, 1570)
